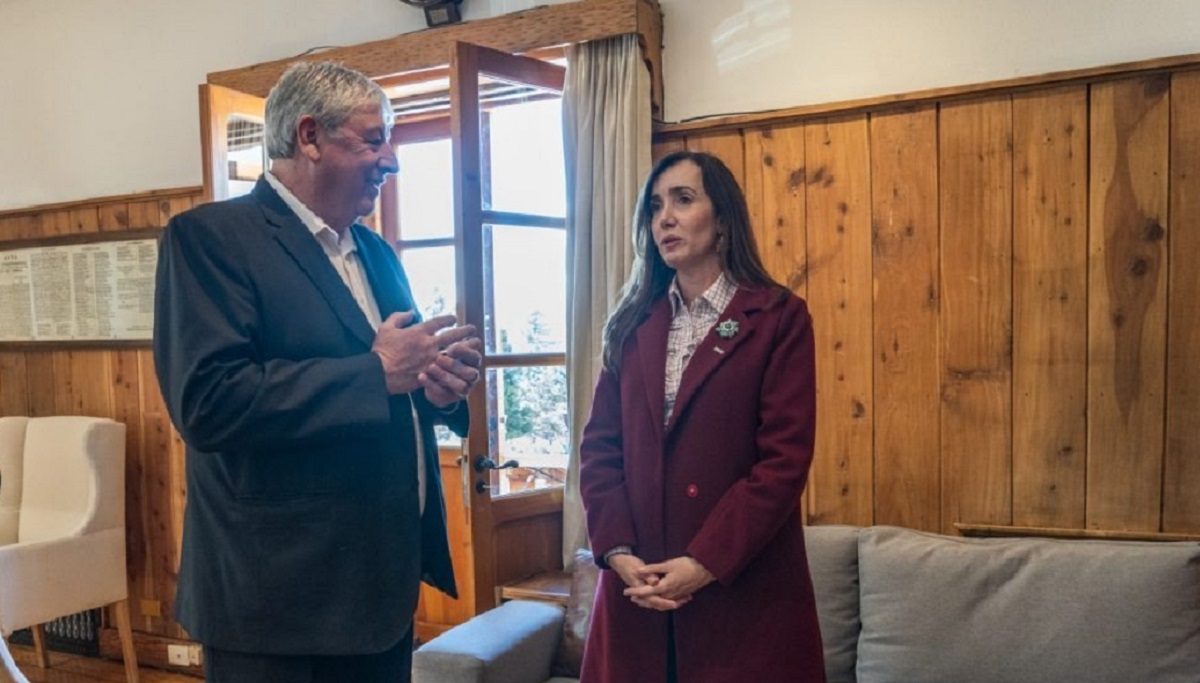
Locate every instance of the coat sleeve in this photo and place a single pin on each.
(754, 509)
(221, 391)
(602, 473)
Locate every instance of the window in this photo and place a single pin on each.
(522, 267)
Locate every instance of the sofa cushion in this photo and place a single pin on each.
(937, 609)
(568, 658)
(833, 562)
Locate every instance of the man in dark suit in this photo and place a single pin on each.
(306, 390)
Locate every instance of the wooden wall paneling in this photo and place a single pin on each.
(1181, 466)
(437, 611)
(145, 214)
(775, 191)
(775, 196)
(39, 371)
(1130, 134)
(659, 150)
(904, 188)
(57, 223)
(838, 219)
(82, 384)
(127, 408)
(114, 217)
(11, 227)
(158, 566)
(14, 384)
(1050, 152)
(85, 219)
(976, 262)
(727, 146)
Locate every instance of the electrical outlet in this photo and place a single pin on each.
(178, 655)
(195, 655)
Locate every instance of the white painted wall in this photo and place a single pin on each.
(732, 56)
(98, 97)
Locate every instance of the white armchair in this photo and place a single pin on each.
(62, 525)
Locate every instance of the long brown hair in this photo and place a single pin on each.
(651, 275)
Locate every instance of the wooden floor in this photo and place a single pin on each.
(66, 668)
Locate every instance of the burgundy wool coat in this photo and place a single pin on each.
(721, 482)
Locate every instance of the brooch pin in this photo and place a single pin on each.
(726, 329)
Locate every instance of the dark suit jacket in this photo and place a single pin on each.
(721, 482)
(301, 533)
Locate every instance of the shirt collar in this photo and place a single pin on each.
(717, 296)
(326, 235)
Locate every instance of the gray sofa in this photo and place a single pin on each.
(901, 606)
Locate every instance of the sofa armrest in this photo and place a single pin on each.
(513, 643)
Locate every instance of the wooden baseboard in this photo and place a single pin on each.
(151, 650)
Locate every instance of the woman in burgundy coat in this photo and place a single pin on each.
(698, 446)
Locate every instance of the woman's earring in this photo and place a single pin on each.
(722, 243)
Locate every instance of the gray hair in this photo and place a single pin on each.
(327, 91)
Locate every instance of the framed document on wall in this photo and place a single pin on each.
(95, 289)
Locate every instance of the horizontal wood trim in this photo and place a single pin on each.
(151, 650)
(574, 22)
(527, 504)
(668, 131)
(82, 238)
(998, 531)
(547, 586)
(521, 360)
(167, 193)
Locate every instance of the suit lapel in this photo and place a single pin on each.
(299, 243)
(714, 349)
(388, 283)
(652, 355)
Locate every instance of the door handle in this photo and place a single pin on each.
(482, 463)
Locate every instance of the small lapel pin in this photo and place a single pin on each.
(719, 350)
(727, 328)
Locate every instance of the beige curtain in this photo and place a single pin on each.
(606, 122)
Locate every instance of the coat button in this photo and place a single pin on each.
(693, 491)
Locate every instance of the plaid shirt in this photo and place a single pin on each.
(689, 326)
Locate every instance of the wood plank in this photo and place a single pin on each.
(837, 156)
(85, 220)
(436, 609)
(82, 383)
(976, 263)
(40, 382)
(544, 26)
(146, 214)
(69, 668)
(1181, 466)
(775, 196)
(1050, 307)
(904, 182)
(14, 384)
(151, 651)
(726, 146)
(157, 557)
(776, 192)
(660, 150)
(1130, 133)
(127, 408)
(57, 223)
(114, 217)
(546, 586)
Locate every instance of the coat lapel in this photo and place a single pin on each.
(388, 283)
(713, 350)
(652, 354)
(300, 244)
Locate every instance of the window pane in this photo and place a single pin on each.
(528, 406)
(426, 190)
(246, 153)
(525, 147)
(526, 310)
(431, 273)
